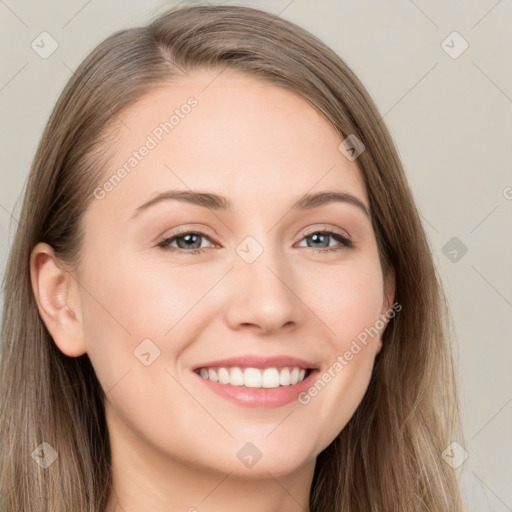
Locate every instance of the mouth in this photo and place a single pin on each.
(248, 377)
(258, 382)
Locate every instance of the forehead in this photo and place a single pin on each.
(230, 133)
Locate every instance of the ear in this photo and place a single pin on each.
(389, 297)
(58, 300)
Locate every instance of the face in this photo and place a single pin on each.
(248, 284)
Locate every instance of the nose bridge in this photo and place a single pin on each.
(261, 287)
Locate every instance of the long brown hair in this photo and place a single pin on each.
(388, 457)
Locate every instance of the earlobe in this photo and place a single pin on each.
(58, 301)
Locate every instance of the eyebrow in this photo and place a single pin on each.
(217, 202)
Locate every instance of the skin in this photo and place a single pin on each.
(174, 442)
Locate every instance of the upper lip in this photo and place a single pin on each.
(254, 361)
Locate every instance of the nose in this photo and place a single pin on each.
(262, 295)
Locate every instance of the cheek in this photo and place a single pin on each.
(133, 303)
(127, 303)
(347, 298)
(349, 301)
(146, 301)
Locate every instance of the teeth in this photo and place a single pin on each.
(284, 377)
(270, 378)
(254, 377)
(236, 377)
(223, 376)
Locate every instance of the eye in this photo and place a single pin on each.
(187, 242)
(190, 242)
(321, 242)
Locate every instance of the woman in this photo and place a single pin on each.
(220, 293)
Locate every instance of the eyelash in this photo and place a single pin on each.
(344, 241)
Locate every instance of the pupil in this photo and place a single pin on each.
(316, 237)
(187, 239)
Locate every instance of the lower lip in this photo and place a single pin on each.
(260, 398)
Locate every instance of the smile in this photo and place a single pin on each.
(255, 377)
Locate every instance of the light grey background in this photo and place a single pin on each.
(451, 121)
